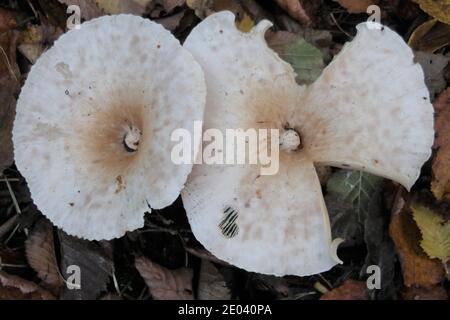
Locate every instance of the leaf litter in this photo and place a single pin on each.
(304, 35)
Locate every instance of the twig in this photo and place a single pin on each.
(33, 9)
(326, 281)
(320, 287)
(8, 225)
(11, 234)
(9, 64)
(338, 26)
(10, 180)
(13, 196)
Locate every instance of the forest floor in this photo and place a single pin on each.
(377, 217)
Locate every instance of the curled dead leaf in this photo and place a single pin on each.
(163, 283)
(430, 36)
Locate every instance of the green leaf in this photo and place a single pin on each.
(435, 232)
(355, 188)
(350, 196)
(306, 59)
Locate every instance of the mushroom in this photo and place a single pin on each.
(92, 134)
(369, 110)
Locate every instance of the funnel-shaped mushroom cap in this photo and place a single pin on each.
(94, 122)
(369, 110)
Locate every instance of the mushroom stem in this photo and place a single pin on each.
(290, 140)
(131, 139)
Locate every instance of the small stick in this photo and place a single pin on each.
(13, 196)
(339, 27)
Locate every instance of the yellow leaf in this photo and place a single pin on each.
(246, 24)
(119, 6)
(435, 232)
(439, 9)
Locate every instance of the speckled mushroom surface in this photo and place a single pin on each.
(94, 121)
(369, 110)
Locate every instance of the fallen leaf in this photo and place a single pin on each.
(306, 59)
(171, 22)
(31, 51)
(7, 20)
(430, 36)
(15, 288)
(431, 293)
(212, 284)
(246, 23)
(204, 8)
(349, 290)
(269, 286)
(440, 185)
(356, 6)
(205, 254)
(296, 9)
(435, 232)
(35, 39)
(418, 269)
(165, 284)
(40, 251)
(350, 196)
(94, 262)
(9, 86)
(439, 9)
(88, 8)
(137, 7)
(170, 5)
(433, 66)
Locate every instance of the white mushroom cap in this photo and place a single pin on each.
(94, 121)
(367, 111)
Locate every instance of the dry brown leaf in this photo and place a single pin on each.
(9, 85)
(212, 284)
(433, 66)
(171, 22)
(165, 284)
(356, 6)
(297, 10)
(7, 20)
(205, 254)
(432, 293)
(349, 290)
(88, 8)
(40, 251)
(94, 261)
(441, 163)
(430, 36)
(418, 269)
(169, 5)
(15, 288)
